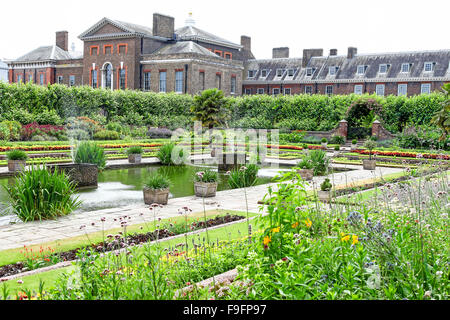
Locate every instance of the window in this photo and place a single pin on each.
(406, 67)
(361, 69)
(233, 85)
(107, 76)
(248, 91)
(122, 79)
(310, 71)
(402, 89)
(358, 89)
(202, 80)
(287, 91)
(308, 90)
(291, 72)
(30, 79)
(263, 73)
(122, 48)
(147, 82)
(251, 74)
(280, 72)
(19, 78)
(329, 90)
(59, 80)
(94, 83)
(260, 91)
(425, 88)
(108, 49)
(218, 52)
(72, 81)
(218, 81)
(379, 89)
(41, 79)
(228, 55)
(93, 51)
(162, 81)
(275, 91)
(332, 70)
(382, 68)
(428, 67)
(179, 81)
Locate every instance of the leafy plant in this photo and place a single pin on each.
(305, 163)
(211, 108)
(442, 117)
(90, 152)
(324, 140)
(337, 139)
(134, 150)
(370, 145)
(319, 161)
(106, 135)
(157, 181)
(16, 155)
(246, 176)
(166, 154)
(207, 176)
(326, 185)
(38, 194)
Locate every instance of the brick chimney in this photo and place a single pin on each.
(280, 53)
(333, 52)
(308, 54)
(246, 42)
(163, 26)
(62, 40)
(352, 51)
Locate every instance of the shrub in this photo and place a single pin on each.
(78, 134)
(305, 163)
(84, 123)
(159, 133)
(207, 176)
(38, 194)
(337, 140)
(16, 155)
(90, 152)
(106, 135)
(4, 132)
(139, 132)
(246, 176)
(157, 181)
(32, 129)
(14, 128)
(166, 151)
(354, 141)
(134, 150)
(337, 148)
(324, 140)
(251, 123)
(319, 161)
(326, 185)
(370, 145)
(211, 108)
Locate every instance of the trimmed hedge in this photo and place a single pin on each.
(46, 104)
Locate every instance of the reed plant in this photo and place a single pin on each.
(90, 152)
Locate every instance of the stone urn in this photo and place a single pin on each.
(84, 175)
(205, 189)
(159, 196)
(306, 174)
(16, 165)
(353, 146)
(324, 145)
(369, 164)
(324, 196)
(135, 158)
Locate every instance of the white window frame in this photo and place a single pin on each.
(356, 89)
(377, 90)
(253, 74)
(332, 70)
(428, 63)
(266, 71)
(282, 72)
(311, 71)
(402, 89)
(273, 91)
(326, 89)
(306, 91)
(258, 91)
(163, 82)
(285, 91)
(71, 80)
(147, 80)
(425, 85)
(289, 71)
(358, 69)
(60, 79)
(385, 65)
(233, 85)
(179, 82)
(405, 64)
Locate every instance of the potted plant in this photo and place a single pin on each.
(306, 168)
(370, 163)
(336, 150)
(324, 142)
(205, 183)
(324, 193)
(354, 142)
(156, 189)
(17, 160)
(134, 154)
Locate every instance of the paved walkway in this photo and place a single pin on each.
(20, 234)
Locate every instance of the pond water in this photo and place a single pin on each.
(118, 188)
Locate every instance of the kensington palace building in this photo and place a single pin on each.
(122, 55)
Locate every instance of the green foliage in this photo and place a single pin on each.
(211, 108)
(324, 140)
(354, 141)
(363, 112)
(370, 145)
(337, 148)
(243, 177)
(305, 163)
(337, 139)
(106, 135)
(168, 153)
(207, 175)
(134, 150)
(90, 152)
(157, 181)
(442, 117)
(326, 185)
(319, 161)
(422, 137)
(38, 194)
(16, 155)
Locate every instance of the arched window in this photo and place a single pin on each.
(107, 77)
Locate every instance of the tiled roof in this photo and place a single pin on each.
(194, 33)
(347, 68)
(184, 47)
(46, 53)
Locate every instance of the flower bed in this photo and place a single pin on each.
(404, 154)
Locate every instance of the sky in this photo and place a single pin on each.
(371, 26)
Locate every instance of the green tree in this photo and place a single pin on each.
(211, 108)
(442, 117)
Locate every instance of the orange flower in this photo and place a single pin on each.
(354, 239)
(275, 230)
(267, 240)
(295, 225)
(308, 223)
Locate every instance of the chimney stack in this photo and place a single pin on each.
(333, 52)
(62, 40)
(163, 26)
(280, 53)
(308, 54)
(246, 42)
(352, 51)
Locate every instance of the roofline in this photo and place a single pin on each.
(378, 80)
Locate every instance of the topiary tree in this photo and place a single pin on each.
(442, 117)
(211, 108)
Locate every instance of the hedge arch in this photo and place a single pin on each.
(361, 110)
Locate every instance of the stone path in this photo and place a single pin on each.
(20, 234)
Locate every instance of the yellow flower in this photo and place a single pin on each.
(275, 230)
(295, 225)
(308, 223)
(267, 240)
(345, 238)
(354, 239)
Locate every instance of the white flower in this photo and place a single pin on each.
(439, 274)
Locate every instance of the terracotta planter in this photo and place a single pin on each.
(135, 158)
(324, 196)
(205, 189)
(306, 174)
(159, 196)
(369, 164)
(16, 165)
